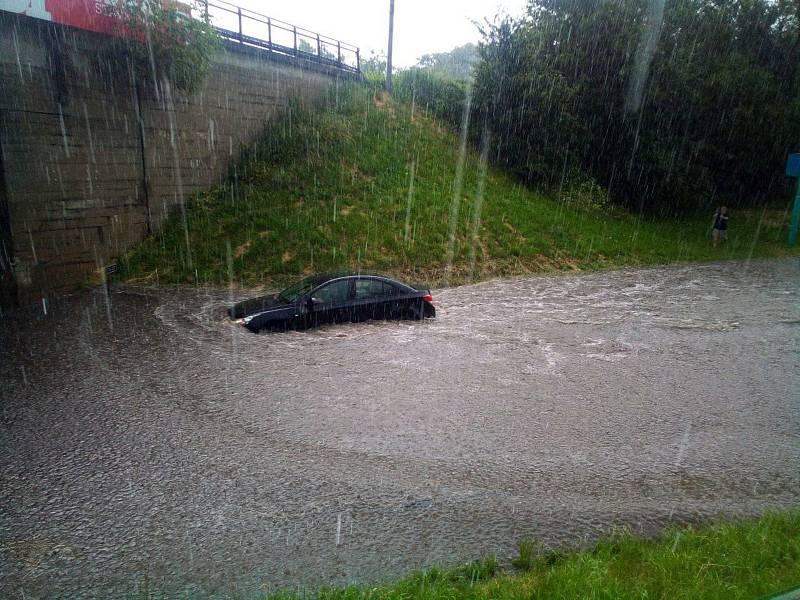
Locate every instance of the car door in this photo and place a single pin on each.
(329, 302)
(385, 299)
(363, 307)
(372, 298)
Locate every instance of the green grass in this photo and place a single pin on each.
(327, 187)
(727, 561)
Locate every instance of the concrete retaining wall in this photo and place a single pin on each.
(91, 165)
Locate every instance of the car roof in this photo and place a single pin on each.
(317, 280)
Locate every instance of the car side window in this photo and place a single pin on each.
(338, 291)
(387, 289)
(390, 290)
(372, 288)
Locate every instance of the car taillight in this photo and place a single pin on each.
(427, 298)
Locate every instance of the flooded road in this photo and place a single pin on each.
(150, 445)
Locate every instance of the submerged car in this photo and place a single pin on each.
(335, 298)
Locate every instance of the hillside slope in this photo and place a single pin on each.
(332, 187)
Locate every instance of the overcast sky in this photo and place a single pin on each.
(420, 26)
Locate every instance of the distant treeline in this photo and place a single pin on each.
(671, 106)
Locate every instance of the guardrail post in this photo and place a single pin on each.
(319, 48)
(339, 51)
(206, 17)
(239, 12)
(269, 32)
(358, 60)
(294, 27)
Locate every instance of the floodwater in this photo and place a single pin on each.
(148, 445)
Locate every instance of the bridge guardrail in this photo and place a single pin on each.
(253, 29)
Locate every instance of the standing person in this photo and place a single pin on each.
(720, 230)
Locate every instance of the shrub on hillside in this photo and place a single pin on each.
(440, 96)
(161, 40)
(579, 190)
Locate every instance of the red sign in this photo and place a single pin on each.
(85, 14)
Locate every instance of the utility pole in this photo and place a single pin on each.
(389, 53)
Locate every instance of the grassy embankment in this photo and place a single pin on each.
(329, 188)
(728, 561)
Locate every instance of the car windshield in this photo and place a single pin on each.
(293, 292)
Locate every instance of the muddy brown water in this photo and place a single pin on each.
(150, 445)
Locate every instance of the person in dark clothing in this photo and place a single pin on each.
(720, 228)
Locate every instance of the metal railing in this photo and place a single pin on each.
(253, 29)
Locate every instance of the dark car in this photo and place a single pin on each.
(335, 298)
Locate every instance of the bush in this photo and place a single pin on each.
(441, 97)
(582, 191)
(156, 36)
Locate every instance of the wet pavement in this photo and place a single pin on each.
(150, 445)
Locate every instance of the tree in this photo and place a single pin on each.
(715, 119)
(163, 40)
(304, 46)
(456, 64)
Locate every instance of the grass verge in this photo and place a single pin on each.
(741, 560)
(364, 182)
